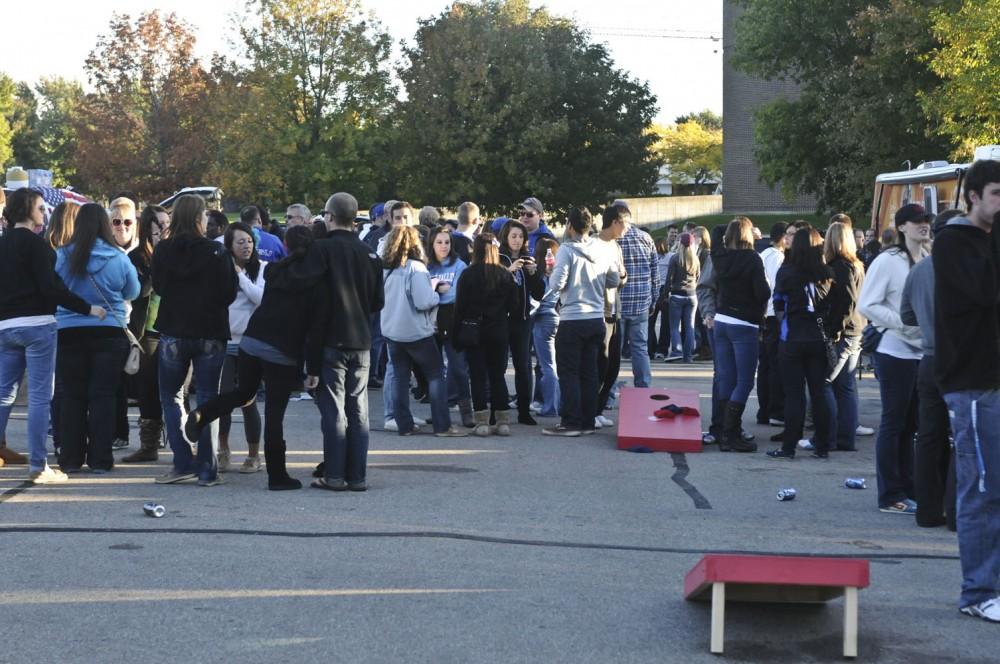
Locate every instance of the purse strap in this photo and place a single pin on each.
(114, 313)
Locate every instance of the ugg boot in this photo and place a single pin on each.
(503, 422)
(732, 430)
(465, 410)
(10, 457)
(149, 442)
(277, 474)
(482, 422)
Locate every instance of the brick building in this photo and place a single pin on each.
(742, 189)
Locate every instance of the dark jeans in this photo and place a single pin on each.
(578, 346)
(121, 407)
(343, 405)
(803, 363)
(770, 393)
(377, 354)
(177, 356)
(487, 366)
(425, 355)
(520, 355)
(609, 361)
(842, 394)
(932, 462)
(897, 384)
(230, 382)
(89, 370)
(280, 380)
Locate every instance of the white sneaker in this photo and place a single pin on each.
(390, 425)
(535, 407)
(304, 396)
(419, 421)
(988, 610)
(806, 444)
(605, 421)
(864, 431)
(47, 475)
(597, 422)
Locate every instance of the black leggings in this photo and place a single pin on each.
(519, 338)
(250, 370)
(147, 381)
(487, 367)
(230, 382)
(609, 361)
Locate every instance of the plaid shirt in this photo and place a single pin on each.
(643, 274)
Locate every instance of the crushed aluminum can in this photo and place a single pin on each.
(787, 494)
(855, 483)
(154, 510)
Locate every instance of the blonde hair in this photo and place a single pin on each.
(739, 234)
(61, 224)
(687, 258)
(466, 212)
(123, 205)
(840, 243)
(403, 243)
(704, 237)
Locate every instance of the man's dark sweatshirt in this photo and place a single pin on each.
(353, 273)
(196, 281)
(29, 284)
(966, 309)
(742, 286)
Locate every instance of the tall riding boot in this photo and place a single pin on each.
(715, 427)
(465, 410)
(277, 474)
(732, 429)
(524, 410)
(149, 441)
(10, 457)
(482, 418)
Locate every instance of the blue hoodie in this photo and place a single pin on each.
(114, 273)
(448, 274)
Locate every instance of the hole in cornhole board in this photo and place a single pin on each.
(660, 397)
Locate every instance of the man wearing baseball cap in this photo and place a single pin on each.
(532, 215)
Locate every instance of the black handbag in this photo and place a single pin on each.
(467, 332)
(832, 354)
(445, 322)
(871, 337)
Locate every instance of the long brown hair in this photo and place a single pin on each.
(186, 216)
(840, 243)
(145, 234)
(61, 223)
(486, 253)
(402, 244)
(739, 234)
(92, 222)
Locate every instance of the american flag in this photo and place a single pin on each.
(53, 197)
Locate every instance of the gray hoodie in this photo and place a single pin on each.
(582, 272)
(411, 304)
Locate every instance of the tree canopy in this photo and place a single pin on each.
(692, 150)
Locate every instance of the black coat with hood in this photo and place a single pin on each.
(742, 287)
(530, 286)
(196, 281)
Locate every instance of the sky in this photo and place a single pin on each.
(663, 42)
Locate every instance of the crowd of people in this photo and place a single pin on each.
(100, 305)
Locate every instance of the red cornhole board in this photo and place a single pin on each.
(787, 579)
(638, 428)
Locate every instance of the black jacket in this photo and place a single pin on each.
(353, 274)
(532, 285)
(140, 306)
(843, 319)
(800, 300)
(292, 316)
(29, 285)
(493, 307)
(966, 310)
(743, 289)
(196, 281)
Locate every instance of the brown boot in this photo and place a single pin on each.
(149, 442)
(10, 457)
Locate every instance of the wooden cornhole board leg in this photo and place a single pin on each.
(718, 616)
(850, 622)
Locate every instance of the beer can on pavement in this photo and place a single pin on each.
(787, 494)
(855, 483)
(154, 510)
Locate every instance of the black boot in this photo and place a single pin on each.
(732, 429)
(277, 475)
(715, 428)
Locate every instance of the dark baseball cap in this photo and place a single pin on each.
(913, 212)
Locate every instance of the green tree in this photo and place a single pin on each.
(693, 151)
(310, 102)
(965, 106)
(861, 75)
(59, 101)
(142, 127)
(7, 101)
(24, 125)
(503, 101)
(707, 118)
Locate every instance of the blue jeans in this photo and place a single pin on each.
(456, 374)
(897, 385)
(343, 407)
(543, 333)
(975, 423)
(735, 351)
(578, 344)
(682, 308)
(176, 356)
(388, 405)
(32, 348)
(403, 356)
(636, 330)
(842, 394)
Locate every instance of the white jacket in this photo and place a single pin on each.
(879, 302)
(248, 297)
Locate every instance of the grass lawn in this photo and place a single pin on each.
(762, 221)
